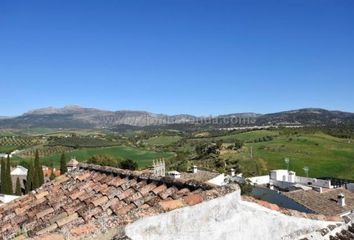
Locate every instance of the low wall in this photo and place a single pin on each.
(224, 218)
(314, 182)
(260, 180)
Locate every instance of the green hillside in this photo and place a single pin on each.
(323, 154)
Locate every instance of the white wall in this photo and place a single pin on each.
(279, 175)
(350, 187)
(219, 180)
(224, 218)
(260, 180)
(315, 182)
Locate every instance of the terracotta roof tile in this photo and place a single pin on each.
(41, 195)
(171, 204)
(93, 199)
(83, 176)
(168, 192)
(126, 194)
(193, 199)
(100, 201)
(61, 222)
(44, 212)
(116, 182)
(159, 189)
(48, 229)
(147, 188)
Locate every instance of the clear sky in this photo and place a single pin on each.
(177, 56)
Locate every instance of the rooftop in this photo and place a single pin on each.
(200, 175)
(93, 199)
(323, 203)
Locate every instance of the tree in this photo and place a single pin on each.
(9, 189)
(238, 144)
(128, 164)
(219, 143)
(38, 178)
(18, 187)
(103, 160)
(246, 187)
(39, 170)
(3, 177)
(29, 180)
(63, 168)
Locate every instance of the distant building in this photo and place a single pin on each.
(286, 180)
(47, 172)
(72, 164)
(20, 173)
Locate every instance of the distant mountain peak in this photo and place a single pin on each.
(74, 116)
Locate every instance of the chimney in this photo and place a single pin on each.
(341, 200)
(195, 169)
(232, 172)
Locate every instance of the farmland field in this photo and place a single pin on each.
(143, 158)
(323, 154)
(163, 140)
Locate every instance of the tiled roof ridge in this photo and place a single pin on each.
(180, 183)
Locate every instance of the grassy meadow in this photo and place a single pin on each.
(326, 156)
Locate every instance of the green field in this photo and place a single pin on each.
(144, 158)
(6, 148)
(323, 154)
(163, 140)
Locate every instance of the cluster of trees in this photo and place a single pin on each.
(35, 177)
(34, 180)
(263, 139)
(237, 145)
(206, 149)
(77, 142)
(104, 160)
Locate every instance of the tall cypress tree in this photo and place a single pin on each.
(18, 187)
(39, 170)
(35, 176)
(3, 178)
(9, 188)
(63, 168)
(29, 181)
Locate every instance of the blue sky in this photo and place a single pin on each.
(177, 56)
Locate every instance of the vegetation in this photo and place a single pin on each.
(63, 168)
(128, 164)
(18, 191)
(103, 160)
(29, 181)
(38, 178)
(6, 182)
(80, 142)
(328, 151)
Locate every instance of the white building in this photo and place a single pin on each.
(285, 179)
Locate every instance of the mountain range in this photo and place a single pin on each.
(80, 117)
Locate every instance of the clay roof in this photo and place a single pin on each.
(95, 199)
(323, 203)
(72, 163)
(200, 175)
